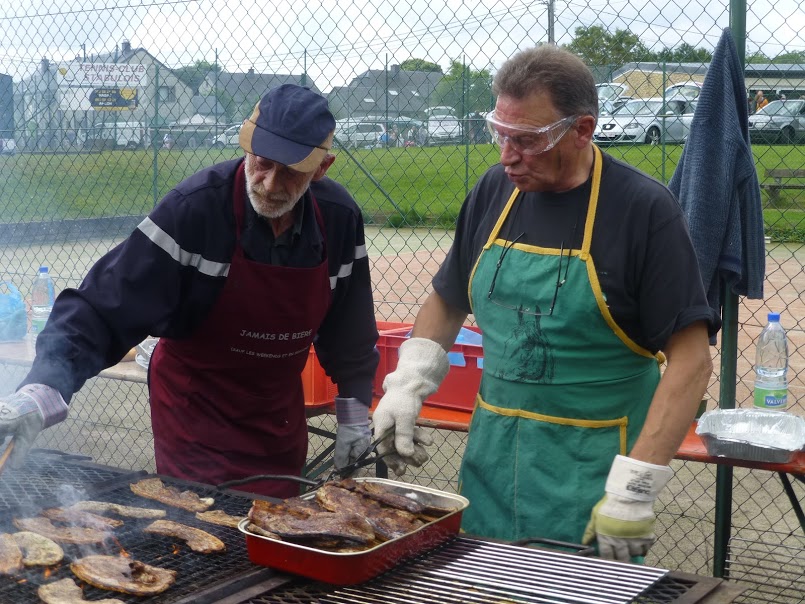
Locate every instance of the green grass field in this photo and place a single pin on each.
(398, 186)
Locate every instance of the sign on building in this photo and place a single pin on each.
(100, 86)
(113, 99)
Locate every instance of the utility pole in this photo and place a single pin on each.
(551, 39)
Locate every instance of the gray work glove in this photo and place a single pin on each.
(420, 370)
(353, 435)
(26, 413)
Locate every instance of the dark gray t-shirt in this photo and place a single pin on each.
(641, 248)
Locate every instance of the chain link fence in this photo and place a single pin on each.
(105, 106)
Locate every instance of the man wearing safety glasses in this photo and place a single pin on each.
(580, 272)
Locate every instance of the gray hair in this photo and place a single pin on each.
(553, 70)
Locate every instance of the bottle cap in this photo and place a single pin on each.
(43, 269)
(774, 317)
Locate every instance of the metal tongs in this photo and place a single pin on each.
(367, 458)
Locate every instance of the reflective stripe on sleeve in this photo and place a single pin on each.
(167, 243)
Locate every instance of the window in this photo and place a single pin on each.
(166, 94)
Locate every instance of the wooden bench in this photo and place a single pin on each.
(782, 180)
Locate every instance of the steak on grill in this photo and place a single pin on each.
(197, 540)
(125, 575)
(153, 488)
(10, 555)
(219, 517)
(67, 592)
(127, 511)
(38, 550)
(75, 517)
(60, 534)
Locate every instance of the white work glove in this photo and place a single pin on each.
(353, 435)
(26, 413)
(623, 521)
(422, 366)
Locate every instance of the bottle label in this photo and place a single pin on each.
(37, 325)
(766, 398)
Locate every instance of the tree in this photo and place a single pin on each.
(464, 89)
(684, 53)
(194, 75)
(420, 65)
(598, 47)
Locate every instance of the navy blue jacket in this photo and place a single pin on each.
(141, 289)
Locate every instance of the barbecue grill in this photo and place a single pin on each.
(463, 569)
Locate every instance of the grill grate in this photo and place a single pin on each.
(478, 572)
(772, 572)
(201, 578)
(45, 473)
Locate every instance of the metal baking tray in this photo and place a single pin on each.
(349, 568)
(752, 434)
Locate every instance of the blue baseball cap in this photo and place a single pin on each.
(291, 125)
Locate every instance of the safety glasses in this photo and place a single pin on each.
(528, 140)
(560, 281)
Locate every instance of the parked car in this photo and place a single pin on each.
(689, 90)
(443, 129)
(8, 146)
(188, 136)
(116, 135)
(778, 122)
(647, 121)
(611, 97)
(360, 134)
(228, 138)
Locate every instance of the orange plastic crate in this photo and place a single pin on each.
(458, 389)
(318, 388)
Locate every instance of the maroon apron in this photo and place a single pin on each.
(227, 402)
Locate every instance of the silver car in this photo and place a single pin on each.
(648, 121)
(778, 122)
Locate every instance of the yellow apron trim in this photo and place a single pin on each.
(493, 238)
(592, 275)
(621, 423)
(593, 206)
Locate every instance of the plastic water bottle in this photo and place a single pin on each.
(771, 366)
(42, 297)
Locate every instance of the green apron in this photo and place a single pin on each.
(560, 394)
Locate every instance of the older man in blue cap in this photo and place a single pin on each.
(238, 270)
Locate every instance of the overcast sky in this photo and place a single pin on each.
(335, 40)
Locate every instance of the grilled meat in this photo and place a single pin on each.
(10, 555)
(125, 575)
(219, 517)
(77, 535)
(75, 517)
(197, 540)
(67, 592)
(387, 522)
(153, 488)
(416, 503)
(253, 528)
(127, 511)
(300, 523)
(38, 550)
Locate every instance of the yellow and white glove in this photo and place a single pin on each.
(623, 521)
(26, 413)
(420, 370)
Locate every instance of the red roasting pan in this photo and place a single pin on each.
(348, 568)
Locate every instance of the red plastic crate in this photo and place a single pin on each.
(458, 389)
(318, 388)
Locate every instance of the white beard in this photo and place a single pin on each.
(268, 206)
